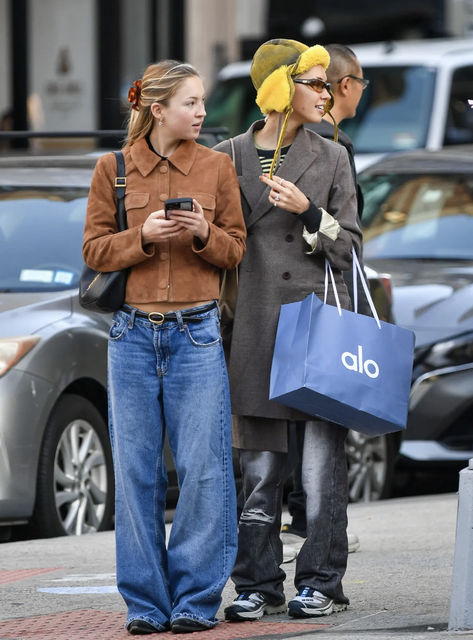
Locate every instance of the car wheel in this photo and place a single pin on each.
(75, 487)
(370, 465)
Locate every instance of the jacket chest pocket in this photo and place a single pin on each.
(136, 205)
(206, 201)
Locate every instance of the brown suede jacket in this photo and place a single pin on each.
(181, 269)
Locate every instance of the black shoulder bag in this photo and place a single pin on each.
(105, 291)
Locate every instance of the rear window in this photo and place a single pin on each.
(418, 216)
(41, 238)
(394, 111)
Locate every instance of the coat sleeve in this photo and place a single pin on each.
(226, 242)
(104, 248)
(339, 230)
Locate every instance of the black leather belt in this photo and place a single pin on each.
(159, 318)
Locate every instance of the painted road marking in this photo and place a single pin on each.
(68, 591)
(73, 589)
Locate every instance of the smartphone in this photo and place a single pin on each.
(184, 204)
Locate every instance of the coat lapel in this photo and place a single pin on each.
(251, 187)
(300, 156)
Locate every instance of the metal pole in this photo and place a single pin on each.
(461, 601)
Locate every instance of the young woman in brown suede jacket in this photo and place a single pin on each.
(167, 369)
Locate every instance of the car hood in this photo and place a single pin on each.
(26, 313)
(434, 298)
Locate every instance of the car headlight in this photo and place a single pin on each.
(451, 352)
(12, 351)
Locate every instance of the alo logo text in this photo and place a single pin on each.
(356, 363)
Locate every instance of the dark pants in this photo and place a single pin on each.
(296, 497)
(322, 560)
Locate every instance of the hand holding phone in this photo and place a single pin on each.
(182, 204)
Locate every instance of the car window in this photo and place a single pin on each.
(418, 216)
(459, 129)
(41, 238)
(232, 105)
(394, 111)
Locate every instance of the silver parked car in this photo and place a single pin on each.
(56, 467)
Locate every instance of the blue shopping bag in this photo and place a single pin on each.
(342, 366)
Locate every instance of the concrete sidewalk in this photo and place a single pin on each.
(398, 582)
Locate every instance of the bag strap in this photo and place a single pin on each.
(236, 155)
(358, 271)
(225, 275)
(120, 186)
(328, 270)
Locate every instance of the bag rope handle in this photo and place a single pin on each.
(328, 270)
(357, 270)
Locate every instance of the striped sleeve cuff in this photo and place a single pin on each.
(328, 227)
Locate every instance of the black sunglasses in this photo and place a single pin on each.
(364, 81)
(315, 83)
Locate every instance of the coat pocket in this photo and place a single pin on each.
(136, 205)
(206, 201)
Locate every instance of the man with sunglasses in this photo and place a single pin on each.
(346, 84)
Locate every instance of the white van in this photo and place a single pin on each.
(417, 97)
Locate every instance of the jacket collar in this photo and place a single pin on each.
(301, 154)
(146, 160)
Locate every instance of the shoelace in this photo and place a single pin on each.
(250, 595)
(308, 592)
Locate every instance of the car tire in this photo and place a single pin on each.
(75, 484)
(370, 463)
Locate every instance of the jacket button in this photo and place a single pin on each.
(286, 275)
(163, 196)
(163, 169)
(163, 255)
(289, 237)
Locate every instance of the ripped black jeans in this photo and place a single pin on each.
(322, 560)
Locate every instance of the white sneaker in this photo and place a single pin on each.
(251, 606)
(309, 603)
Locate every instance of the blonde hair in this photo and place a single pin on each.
(159, 83)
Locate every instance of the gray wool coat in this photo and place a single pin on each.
(277, 267)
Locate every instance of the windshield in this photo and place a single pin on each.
(418, 216)
(232, 105)
(394, 111)
(41, 239)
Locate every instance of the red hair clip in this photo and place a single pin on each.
(134, 95)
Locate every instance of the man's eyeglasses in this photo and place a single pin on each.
(315, 83)
(364, 81)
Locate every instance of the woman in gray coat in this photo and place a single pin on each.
(299, 213)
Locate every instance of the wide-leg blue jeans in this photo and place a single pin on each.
(171, 377)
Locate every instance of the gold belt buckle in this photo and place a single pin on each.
(160, 318)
